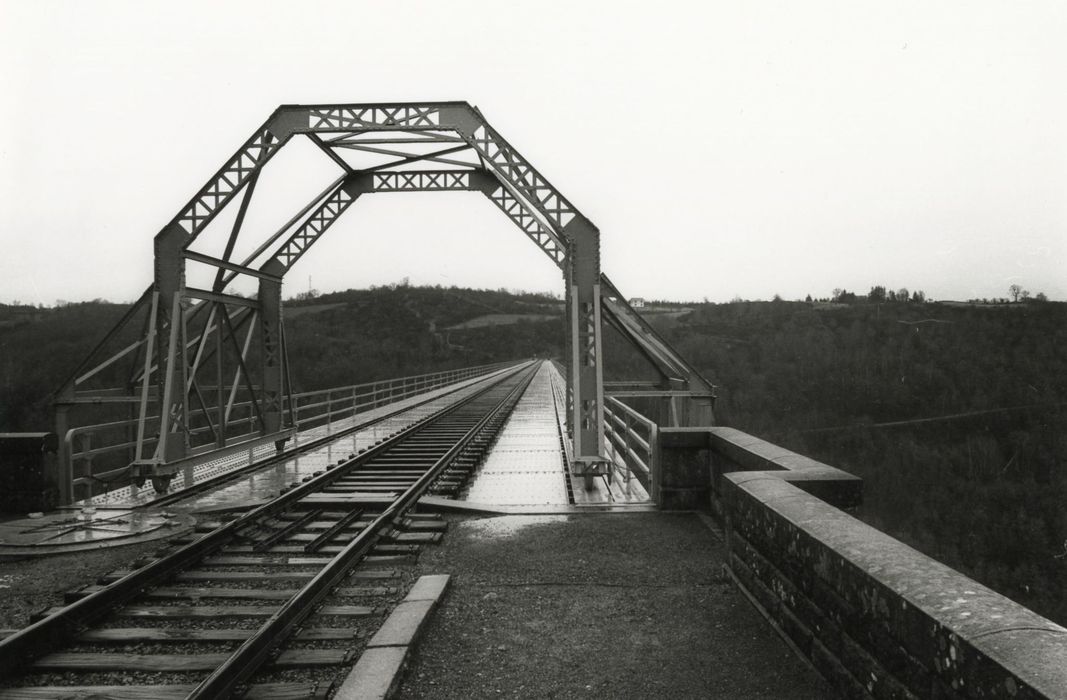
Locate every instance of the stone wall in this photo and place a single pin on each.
(875, 616)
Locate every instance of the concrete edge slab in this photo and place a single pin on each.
(429, 588)
(376, 675)
(403, 625)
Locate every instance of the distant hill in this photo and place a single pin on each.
(366, 334)
(39, 348)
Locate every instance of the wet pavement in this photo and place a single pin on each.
(631, 605)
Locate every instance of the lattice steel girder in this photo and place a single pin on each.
(428, 180)
(320, 220)
(496, 153)
(480, 181)
(543, 214)
(528, 222)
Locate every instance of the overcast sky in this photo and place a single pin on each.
(722, 148)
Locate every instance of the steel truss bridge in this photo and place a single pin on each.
(191, 374)
(194, 371)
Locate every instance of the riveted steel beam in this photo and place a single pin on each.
(425, 181)
(320, 220)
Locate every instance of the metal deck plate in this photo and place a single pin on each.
(526, 466)
(72, 530)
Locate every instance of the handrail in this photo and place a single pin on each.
(632, 454)
(346, 401)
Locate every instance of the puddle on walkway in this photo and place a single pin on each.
(507, 525)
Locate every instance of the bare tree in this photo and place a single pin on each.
(1015, 290)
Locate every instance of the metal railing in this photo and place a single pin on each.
(631, 441)
(314, 408)
(99, 454)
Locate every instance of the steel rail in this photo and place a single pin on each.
(61, 626)
(257, 649)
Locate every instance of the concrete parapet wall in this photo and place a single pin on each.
(734, 451)
(878, 618)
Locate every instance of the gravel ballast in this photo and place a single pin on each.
(30, 585)
(596, 606)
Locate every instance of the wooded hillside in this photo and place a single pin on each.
(954, 414)
(982, 486)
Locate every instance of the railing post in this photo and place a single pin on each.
(64, 468)
(329, 412)
(86, 440)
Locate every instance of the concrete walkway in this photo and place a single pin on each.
(596, 606)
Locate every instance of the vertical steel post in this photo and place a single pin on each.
(65, 467)
(170, 284)
(569, 362)
(270, 306)
(220, 403)
(586, 352)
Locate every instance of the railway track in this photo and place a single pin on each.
(295, 450)
(276, 603)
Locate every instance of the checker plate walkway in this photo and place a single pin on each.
(527, 466)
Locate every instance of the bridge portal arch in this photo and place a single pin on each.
(428, 146)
